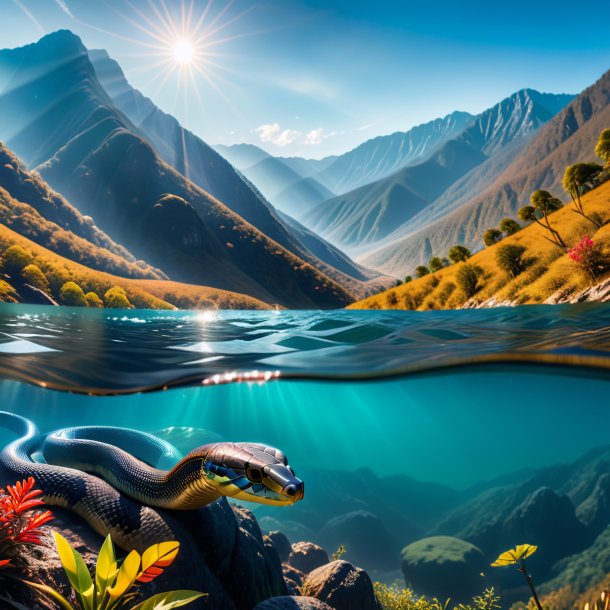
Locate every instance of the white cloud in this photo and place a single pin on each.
(365, 127)
(315, 136)
(64, 7)
(272, 132)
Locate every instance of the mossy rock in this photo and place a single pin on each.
(443, 567)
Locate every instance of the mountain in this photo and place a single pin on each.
(373, 213)
(63, 122)
(382, 156)
(193, 158)
(568, 137)
(296, 185)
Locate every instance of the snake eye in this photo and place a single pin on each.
(254, 474)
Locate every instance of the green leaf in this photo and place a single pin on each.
(169, 600)
(126, 576)
(60, 599)
(76, 571)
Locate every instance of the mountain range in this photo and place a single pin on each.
(65, 124)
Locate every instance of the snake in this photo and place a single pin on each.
(120, 480)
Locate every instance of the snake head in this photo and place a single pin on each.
(253, 472)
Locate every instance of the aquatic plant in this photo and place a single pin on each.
(516, 557)
(338, 554)
(396, 597)
(113, 586)
(588, 255)
(20, 518)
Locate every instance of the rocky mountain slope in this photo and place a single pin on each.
(380, 211)
(568, 137)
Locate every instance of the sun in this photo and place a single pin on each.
(184, 51)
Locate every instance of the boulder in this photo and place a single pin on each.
(292, 603)
(293, 579)
(443, 567)
(306, 556)
(367, 540)
(342, 586)
(281, 543)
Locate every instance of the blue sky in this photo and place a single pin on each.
(311, 78)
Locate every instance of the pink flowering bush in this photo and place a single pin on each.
(588, 255)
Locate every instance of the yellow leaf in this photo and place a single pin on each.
(519, 553)
(60, 599)
(126, 576)
(169, 600)
(76, 570)
(105, 569)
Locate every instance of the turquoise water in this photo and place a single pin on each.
(369, 407)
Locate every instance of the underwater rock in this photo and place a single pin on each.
(293, 579)
(342, 586)
(550, 519)
(443, 567)
(281, 543)
(367, 540)
(307, 556)
(293, 603)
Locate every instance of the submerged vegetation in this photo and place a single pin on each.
(562, 251)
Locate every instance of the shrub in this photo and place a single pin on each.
(421, 271)
(445, 292)
(435, 264)
(459, 254)
(603, 146)
(509, 227)
(391, 299)
(20, 519)
(112, 585)
(93, 300)
(33, 276)
(15, 259)
(492, 236)
(589, 257)
(510, 259)
(72, 294)
(467, 278)
(408, 279)
(116, 298)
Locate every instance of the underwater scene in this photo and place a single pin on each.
(416, 446)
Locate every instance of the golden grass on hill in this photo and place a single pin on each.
(145, 294)
(549, 271)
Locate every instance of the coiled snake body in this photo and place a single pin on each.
(109, 476)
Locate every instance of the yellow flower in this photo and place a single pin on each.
(519, 553)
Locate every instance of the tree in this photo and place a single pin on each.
(510, 259)
(509, 227)
(543, 204)
(603, 146)
(435, 264)
(72, 295)
(467, 279)
(459, 254)
(408, 279)
(15, 259)
(93, 300)
(492, 236)
(421, 271)
(33, 276)
(116, 298)
(577, 180)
